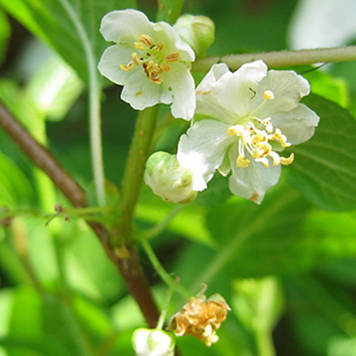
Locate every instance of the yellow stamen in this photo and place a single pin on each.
(146, 40)
(139, 46)
(135, 58)
(231, 131)
(165, 67)
(128, 67)
(242, 162)
(268, 95)
(287, 160)
(172, 57)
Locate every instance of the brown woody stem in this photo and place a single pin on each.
(129, 267)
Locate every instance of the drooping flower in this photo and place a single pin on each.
(153, 342)
(245, 119)
(150, 60)
(201, 318)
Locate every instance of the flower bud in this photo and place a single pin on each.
(168, 179)
(197, 31)
(153, 342)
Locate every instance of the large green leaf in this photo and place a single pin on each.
(169, 10)
(51, 21)
(324, 168)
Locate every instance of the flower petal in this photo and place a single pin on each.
(202, 150)
(238, 91)
(173, 43)
(207, 94)
(125, 25)
(253, 181)
(139, 91)
(180, 83)
(287, 87)
(110, 61)
(297, 124)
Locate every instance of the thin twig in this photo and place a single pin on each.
(280, 58)
(129, 266)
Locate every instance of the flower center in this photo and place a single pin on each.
(151, 57)
(256, 137)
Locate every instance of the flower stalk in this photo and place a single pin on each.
(134, 171)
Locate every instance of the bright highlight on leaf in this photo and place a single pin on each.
(150, 60)
(248, 118)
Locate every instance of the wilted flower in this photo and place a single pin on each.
(201, 318)
(168, 179)
(150, 60)
(245, 119)
(153, 342)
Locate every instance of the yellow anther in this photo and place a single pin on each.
(146, 40)
(135, 58)
(242, 162)
(287, 160)
(231, 131)
(165, 67)
(128, 67)
(268, 95)
(172, 57)
(139, 46)
(281, 138)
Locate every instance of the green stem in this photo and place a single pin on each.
(264, 343)
(94, 107)
(230, 249)
(171, 283)
(135, 167)
(157, 229)
(163, 314)
(281, 58)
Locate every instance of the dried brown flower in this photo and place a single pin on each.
(201, 317)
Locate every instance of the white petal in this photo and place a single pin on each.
(139, 91)
(181, 84)
(173, 43)
(252, 182)
(202, 150)
(288, 88)
(297, 124)
(207, 95)
(109, 65)
(125, 25)
(238, 91)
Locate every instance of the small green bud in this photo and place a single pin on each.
(197, 31)
(168, 179)
(153, 342)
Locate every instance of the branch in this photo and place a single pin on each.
(129, 267)
(281, 58)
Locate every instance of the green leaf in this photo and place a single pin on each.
(50, 21)
(169, 10)
(324, 167)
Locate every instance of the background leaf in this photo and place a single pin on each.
(49, 21)
(324, 169)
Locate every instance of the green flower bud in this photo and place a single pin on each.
(168, 179)
(153, 342)
(197, 31)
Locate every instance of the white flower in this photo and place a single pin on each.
(246, 119)
(150, 60)
(153, 342)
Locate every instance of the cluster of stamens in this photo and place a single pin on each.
(255, 137)
(151, 57)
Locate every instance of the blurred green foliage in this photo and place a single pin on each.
(288, 265)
